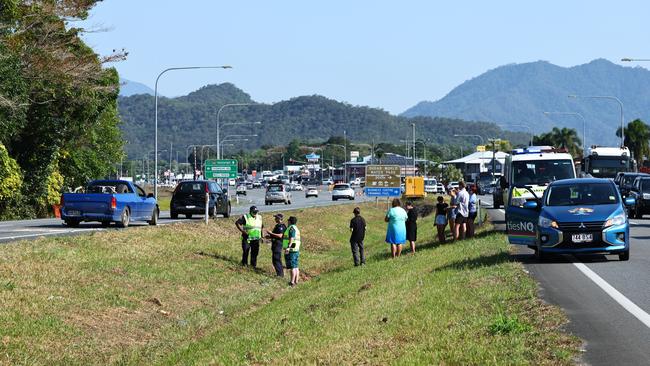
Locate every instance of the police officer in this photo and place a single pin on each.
(251, 227)
(276, 243)
(291, 245)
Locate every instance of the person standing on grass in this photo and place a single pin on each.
(441, 218)
(452, 210)
(358, 233)
(276, 243)
(463, 211)
(411, 225)
(473, 210)
(291, 245)
(396, 231)
(250, 226)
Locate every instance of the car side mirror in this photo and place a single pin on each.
(150, 195)
(531, 205)
(630, 201)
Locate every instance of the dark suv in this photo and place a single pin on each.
(189, 199)
(640, 191)
(624, 181)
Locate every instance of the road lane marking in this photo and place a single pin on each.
(626, 303)
(502, 210)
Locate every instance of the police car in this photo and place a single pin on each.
(573, 216)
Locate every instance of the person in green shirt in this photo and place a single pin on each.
(291, 245)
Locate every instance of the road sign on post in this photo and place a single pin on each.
(220, 169)
(383, 181)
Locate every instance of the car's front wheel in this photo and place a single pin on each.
(624, 256)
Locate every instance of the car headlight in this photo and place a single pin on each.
(615, 220)
(545, 222)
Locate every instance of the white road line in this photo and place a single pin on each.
(628, 305)
(502, 211)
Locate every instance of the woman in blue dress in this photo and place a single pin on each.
(396, 231)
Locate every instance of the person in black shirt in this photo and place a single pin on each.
(276, 243)
(441, 218)
(411, 225)
(358, 229)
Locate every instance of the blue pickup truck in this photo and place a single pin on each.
(107, 201)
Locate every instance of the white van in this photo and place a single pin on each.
(430, 185)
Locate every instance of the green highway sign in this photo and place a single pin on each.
(220, 169)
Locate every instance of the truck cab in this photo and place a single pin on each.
(606, 162)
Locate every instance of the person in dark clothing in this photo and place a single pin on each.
(358, 230)
(411, 225)
(250, 226)
(276, 243)
(441, 218)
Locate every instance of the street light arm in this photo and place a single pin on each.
(611, 97)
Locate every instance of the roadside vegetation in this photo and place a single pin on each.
(177, 294)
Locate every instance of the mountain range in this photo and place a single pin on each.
(518, 94)
(191, 119)
(128, 88)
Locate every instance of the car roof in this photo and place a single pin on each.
(581, 181)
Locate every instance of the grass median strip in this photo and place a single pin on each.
(176, 294)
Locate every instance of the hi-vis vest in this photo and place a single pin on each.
(296, 240)
(253, 226)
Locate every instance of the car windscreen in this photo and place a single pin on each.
(341, 186)
(192, 188)
(541, 171)
(629, 179)
(274, 189)
(108, 187)
(581, 194)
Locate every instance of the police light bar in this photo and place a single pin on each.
(538, 150)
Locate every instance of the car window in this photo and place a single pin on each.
(341, 186)
(108, 187)
(141, 192)
(192, 187)
(214, 187)
(276, 188)
(581, 194)
(541, 171)
(645, 185)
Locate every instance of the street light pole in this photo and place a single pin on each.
(620, 104)
(345, 161)
(413, 125)
(155, 179)
(219, 120)
(584, 126)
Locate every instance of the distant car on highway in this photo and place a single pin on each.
(241, 189)
(108, 201)
(585, 215)
(342, 190)
(640, 191)
(257, 183)
(189, 199)
(277, 193)
(440, 188)
(311, 192)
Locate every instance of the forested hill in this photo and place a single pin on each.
(519, 93)
(191, 119)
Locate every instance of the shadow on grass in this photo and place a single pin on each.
(477, 262)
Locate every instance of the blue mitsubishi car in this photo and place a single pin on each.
(574, 216)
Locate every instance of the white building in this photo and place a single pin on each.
(476, 163)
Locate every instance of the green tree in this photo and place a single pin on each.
(451, 173)
(637, 134)
(59, 100)
(561, 138)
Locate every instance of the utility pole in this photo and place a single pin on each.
(413, 125)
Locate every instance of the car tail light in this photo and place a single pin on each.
(113, 203)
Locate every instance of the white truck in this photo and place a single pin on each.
(531, 168)
(605, 162)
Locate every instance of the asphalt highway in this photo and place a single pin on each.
(607, 301)
(30, 229)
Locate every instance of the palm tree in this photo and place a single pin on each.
(561, 138)
(637, 134)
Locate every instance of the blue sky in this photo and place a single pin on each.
(386, 54)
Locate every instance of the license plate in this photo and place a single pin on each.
(190, 206)
(74, 213)
(582, 238)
